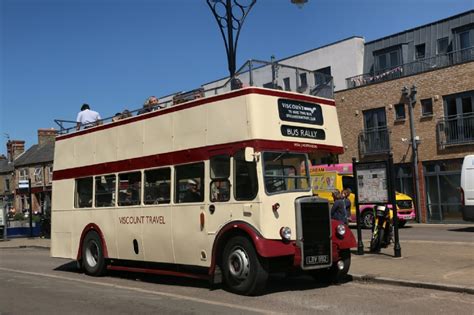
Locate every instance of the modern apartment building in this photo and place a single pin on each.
(435, 62)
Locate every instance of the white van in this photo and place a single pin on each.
(467, 188)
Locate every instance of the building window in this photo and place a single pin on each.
(464, 40)
(158, 186)
(38, 175)
(189, 183)
(443, 45)
(7, 184)
(23, 174)
(400, 112)
(426, 107)
(303, 80)
(50, 174)
(420, 51)
(322, 76)
(387, 59)
(105, 191)
(129, 189)
(286, 83)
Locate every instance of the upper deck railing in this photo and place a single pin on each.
(415, 67)
(256, 73)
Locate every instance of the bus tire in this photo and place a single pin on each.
(242, 268)
(93, 261)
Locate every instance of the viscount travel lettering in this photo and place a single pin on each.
(142, 219)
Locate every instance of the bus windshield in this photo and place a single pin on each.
(285, 172)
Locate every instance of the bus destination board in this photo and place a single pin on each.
(298, 111)
(303, 132)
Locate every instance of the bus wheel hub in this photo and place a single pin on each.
(239, 265)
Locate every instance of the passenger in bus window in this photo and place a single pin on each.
(192, 193)
(117, 117)
(150, 105)
(87, 117)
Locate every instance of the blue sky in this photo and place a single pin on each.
(112, 54)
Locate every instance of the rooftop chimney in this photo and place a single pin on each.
(14, 149)
(46, 136)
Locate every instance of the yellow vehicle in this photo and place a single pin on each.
(328, 178)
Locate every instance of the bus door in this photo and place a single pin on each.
(188, 234)
(157, 212)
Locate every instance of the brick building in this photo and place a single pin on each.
(36, 164)
(7, 189)
(374, 113)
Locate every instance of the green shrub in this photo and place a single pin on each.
(19, 216)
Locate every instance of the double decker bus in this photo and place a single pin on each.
(214, 188)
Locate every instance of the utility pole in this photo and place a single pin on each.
(410, 96)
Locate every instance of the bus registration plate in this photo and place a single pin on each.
(317, 260)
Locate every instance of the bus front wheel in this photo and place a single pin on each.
(93, 260)
(242, 268)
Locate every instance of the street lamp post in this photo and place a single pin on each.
(410, 96)
(230, 16)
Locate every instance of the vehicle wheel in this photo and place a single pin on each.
(334, 274)
(401, 223)
(242, 268)
(367, 219)
(93, 260)
(376, 242)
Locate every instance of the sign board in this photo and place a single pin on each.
(372, 180)
(23, 184)
(303, 132)
(3, 221)
(301, 112)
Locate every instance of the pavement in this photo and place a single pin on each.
(440, 265)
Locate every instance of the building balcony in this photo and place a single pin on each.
(415, 67)
(374, 141)
(456, 130)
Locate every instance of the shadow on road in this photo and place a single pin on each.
(464, 229)
(279, 282)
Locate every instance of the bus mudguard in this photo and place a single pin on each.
(264, 247)
(92, 227)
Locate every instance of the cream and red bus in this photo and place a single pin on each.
(216, 188)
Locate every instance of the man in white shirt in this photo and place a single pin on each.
(87, 117)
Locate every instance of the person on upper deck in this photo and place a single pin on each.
(87, 118)
(151, 104)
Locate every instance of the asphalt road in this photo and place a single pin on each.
(33, 283)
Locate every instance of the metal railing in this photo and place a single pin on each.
(456, 130)
(257, 73)
(374, 141)
(418, 66)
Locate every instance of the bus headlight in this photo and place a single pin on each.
(285, 233)
(341, 230)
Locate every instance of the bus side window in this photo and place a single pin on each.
(245, 175)
(129, 189)
(83, 194)
(189, 184)
(157, 186)
(105, 191)
(220, 184)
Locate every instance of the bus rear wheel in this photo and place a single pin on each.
(242, 268)
(93, 261)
